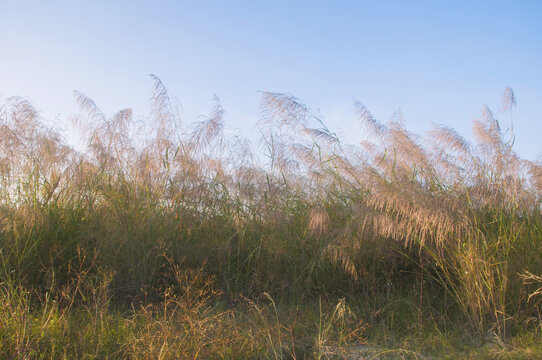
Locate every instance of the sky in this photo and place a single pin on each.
(435, 61)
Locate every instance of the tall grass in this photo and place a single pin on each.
(452, 226)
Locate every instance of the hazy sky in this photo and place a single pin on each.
(437, 61)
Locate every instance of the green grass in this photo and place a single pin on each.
(180, 241)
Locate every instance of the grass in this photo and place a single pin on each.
(178, 240)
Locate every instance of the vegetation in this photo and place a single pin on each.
(168, 241)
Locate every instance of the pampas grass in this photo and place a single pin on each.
(174, 224)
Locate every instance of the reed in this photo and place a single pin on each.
(174, 240)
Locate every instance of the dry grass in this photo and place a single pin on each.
(451, 228)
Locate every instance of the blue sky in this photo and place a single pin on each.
(437, 61)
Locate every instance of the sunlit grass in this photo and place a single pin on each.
(174, 240)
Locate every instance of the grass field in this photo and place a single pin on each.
(180, 241)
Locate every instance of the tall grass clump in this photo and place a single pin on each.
(472, 211)
(466, 214)
(164, 235)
